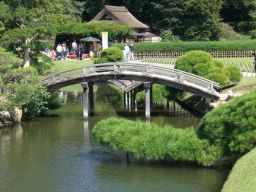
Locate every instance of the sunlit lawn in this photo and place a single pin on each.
(60, 66)
(245, 85)
(69, 64)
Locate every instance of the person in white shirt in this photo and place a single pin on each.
(59, 51)
(126, 53)
(74, 46)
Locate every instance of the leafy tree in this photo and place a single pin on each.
(167, 14)
(231, 126)
(201, 20)
(26, 25)
(238, 10)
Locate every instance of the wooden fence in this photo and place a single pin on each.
(215, 54)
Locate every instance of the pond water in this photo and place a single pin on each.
(58, 154)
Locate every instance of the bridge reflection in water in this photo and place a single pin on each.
(129, 76)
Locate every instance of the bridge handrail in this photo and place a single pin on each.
(137, 68)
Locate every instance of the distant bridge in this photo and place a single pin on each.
(118, 73)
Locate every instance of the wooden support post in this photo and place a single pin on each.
(126, 100)
(151, 97)
(91, 98)
(85, 99)
(147, 99)
(130, 101)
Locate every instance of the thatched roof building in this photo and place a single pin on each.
(119, 14)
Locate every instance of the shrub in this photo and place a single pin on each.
(112, 54)
(234, 73)
(32, 98)
(154, 143)
(202, 64)
(231, 126)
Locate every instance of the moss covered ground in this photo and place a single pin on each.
(243, 175)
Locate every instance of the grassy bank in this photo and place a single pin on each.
(243, 175)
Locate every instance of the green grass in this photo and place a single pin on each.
(244, 63)
(245, 85)
(60, 66)
(243, 175)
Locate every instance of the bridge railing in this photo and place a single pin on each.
(129, 68)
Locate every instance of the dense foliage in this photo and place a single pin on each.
(185, 46)
(19, 88)
(202, 64)
(112, 54)
(154, 143)
(232, 126)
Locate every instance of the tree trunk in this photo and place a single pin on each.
(26, 57)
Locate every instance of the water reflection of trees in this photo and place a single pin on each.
(108, 94)
(154, 177)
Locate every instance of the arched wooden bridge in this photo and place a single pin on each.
(134, 72)
(137, 72)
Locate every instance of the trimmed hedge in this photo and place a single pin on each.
(185, 46)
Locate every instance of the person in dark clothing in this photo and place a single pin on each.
(80, 51)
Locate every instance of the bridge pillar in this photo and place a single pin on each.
(85, 99)
(147, 99)
(130, 101)
(126, 100)
(91, 98)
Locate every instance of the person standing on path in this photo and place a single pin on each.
(126, 53)
(131, 46)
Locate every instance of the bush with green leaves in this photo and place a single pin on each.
(112, 54)
(32, 98)
(154, 143)
(201, 63)
(231, 126)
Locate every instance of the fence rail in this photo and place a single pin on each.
(175, 54)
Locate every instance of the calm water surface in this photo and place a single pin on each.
(58, 154)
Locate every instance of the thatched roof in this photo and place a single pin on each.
(119, 15)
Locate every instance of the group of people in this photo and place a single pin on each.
(128, 51)
(77, 49)
(61, 51)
